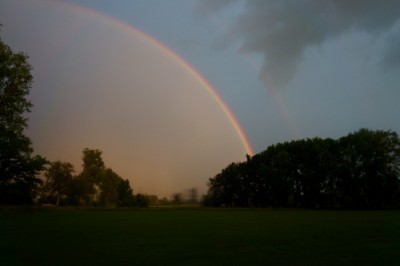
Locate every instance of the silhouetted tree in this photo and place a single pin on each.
(142, 200)
(18, 167)
(93, 170)
(79, 191)
(360, 170)
(369, 170)
(177, 199)
(125, 194)
(58, 181)
(109, 188)
(222, 186)
(99, 185)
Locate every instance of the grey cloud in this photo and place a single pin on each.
(282, 30)
(206, 7)
(391, 58)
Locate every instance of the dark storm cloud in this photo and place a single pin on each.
(282, 30)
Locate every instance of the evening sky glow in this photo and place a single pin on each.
(171, 91)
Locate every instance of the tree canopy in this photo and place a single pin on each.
(95, 185)
(18, 166)
(59, 177)
(360, 170)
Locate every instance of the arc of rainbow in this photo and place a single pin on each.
(192, 71)
(176, 58)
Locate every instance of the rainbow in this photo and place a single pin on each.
(177, 59)
(270, 88)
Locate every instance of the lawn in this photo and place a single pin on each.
(198, 236)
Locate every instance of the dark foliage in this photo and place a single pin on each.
(125, 194)
(358, 171)
(142, 200)
(96, 185)
(18, 166)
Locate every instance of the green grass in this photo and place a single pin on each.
(197, 236)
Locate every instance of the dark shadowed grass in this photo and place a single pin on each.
(198, 237)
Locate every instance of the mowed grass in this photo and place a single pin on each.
(197, 236)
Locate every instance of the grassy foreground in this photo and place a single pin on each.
(198, 237)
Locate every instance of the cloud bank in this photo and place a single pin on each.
(282, 30)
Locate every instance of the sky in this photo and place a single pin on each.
(165, 88)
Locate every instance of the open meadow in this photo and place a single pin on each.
(197, 236)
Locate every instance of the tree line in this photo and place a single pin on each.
(96, 185)
(358, 171)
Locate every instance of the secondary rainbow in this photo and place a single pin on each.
(179, 60)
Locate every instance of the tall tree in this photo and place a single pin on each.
(18, 166)
(109, 188)
(59, 177)
(125, 194)
(92, 174)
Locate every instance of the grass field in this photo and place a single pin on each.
(198, 237)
